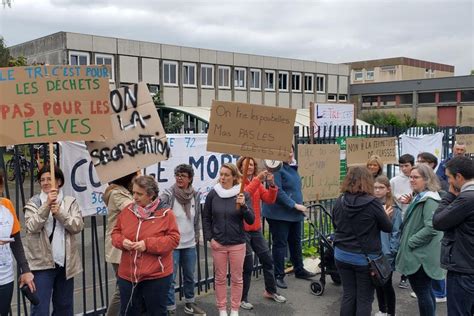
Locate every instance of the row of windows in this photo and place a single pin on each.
(359, 75)
(423, 98)
(189, 78)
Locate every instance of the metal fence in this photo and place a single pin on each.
(93, 287)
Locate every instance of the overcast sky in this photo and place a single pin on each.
(329, 31)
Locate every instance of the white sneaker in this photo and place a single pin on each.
(246, 305)
(412, 294)
(234, 313)
(441, 299)
(380, 314)
(223, 313)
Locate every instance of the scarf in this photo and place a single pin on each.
(184, 197)
(147, 211)
(227, 193)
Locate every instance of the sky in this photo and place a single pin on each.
(334, 31)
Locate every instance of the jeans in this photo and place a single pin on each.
(186, 259)
(357, 289)
(286, 235)
(152, 293)
(421, 284)
(257, 243)
(6, 294)
(439, 288)
(460, 290)
(114, 305)
(52, 282)
(386, 297)
(232, 255)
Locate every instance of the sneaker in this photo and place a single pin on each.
(379, 313)
(275, 296)
(305, 274)
(193, 309)
(234, 313)
(412, 294)
(171, 312)
(246, 305)
(223, 313)
(403, 284)
(440, 299)
(281, 283)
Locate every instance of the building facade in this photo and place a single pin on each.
(395, 69)
(187, 76)
(444, 101)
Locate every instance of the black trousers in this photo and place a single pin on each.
(257, 243)
(386, 297)
(6, 294)
(460, 293)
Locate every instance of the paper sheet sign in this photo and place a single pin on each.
(139, 139)
(53, 103)
(251, 130)
(319, 168)
(359, 150)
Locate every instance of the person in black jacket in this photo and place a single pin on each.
(455, 216)
(358, 211)
(222, 225)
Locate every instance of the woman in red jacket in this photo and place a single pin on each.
(254, 236)
(147, 234)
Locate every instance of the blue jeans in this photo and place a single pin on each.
(421, 284)
(52, 282)
(286, 235)
(148, 294)
(186, 259)
(460, 293)
(439, 288)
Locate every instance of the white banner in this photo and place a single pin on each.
(81, 180)
(190, 149)
(413, 145)
(328, 115)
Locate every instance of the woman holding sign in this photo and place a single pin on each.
(222, 224)
(51, 221)
(10, 243)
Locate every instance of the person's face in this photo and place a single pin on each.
(380, 190)
(140, 196)
(225, 178)
(292, 154)
(405, 168)
(459, 150)
(457, 181)
(373, 168)
(46, 182)
(421, 160)
(251, 167)
(417, 183)
(182, 180)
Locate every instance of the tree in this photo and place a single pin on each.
(7, 60)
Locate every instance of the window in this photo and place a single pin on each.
(429, 73)
(78, 58)
(255, 79)
(369, 75)
(342, 98)
(207, 76)
(224, 77)
(239, 78)
(321, 84)
(282, 81)
(428, 97)
(448, 96)
(170, 73)
(153, 88)
(358, 75)
(331, 98)
(296, 82)
(390, 69)
(106, 60)
(269, 80)
(467, 96)
(189, 75)
(308, 83)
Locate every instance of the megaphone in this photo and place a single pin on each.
(272, 165)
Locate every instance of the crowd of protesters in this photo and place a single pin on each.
(421, 221)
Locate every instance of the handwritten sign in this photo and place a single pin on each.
(82, 181)
(319, 169)
(139, 139)
(359, 150)
(52, 103)
(467, 139)
(191, 149)
(328, 115)
(251, 130)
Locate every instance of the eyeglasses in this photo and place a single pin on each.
(181, 176)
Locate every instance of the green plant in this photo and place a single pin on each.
(384, 119)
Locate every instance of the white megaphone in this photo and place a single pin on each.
(272, 165)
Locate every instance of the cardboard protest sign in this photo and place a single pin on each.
(467, 139)
(53, 103)
(319, 169)
(139, 139)
(191, 149)
(328, 115)
(359, 150)
(251, 130)
(82, 181)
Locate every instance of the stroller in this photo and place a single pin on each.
(326, 250)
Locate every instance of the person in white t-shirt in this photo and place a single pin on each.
(401, 184)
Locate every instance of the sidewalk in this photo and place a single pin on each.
(301, 302)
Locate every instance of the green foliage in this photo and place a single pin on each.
(472, 72)
(383, 119)
(7, 60)
(157, 99)
(174, 122)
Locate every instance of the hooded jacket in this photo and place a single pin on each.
(258, 193)
(364, 215)
(161, 236)
(455, 216)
